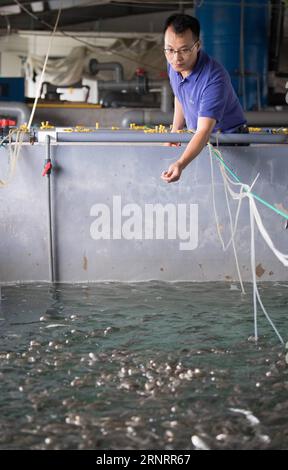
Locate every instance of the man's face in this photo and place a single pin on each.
(181, 50)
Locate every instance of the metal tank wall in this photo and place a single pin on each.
(236, 34)
(114, 219)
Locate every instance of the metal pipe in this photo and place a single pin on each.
(143, 137)
(116, 67)
(135, 85)
(140, 87)
(166, 94)
(19, 110)
(149, 117)
(131, 117)
(49, 204)
(124, 85)
(267, 118)
(154, 117)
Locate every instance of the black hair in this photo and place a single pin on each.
(180, 23)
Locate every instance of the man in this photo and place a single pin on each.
(204, 96)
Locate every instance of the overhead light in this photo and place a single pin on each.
(37, 6)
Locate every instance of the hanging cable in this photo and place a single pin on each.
(253, 270)
(245, 191)
(265, 203)
(43, 71)
(13, 153)
(233, 229)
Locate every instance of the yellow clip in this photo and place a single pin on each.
(162, 129)
(46, 125)
(24, 127)
(254, 129)
(81, 129)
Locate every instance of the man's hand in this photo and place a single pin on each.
(197, 143)
(173, 173)
(172, 144)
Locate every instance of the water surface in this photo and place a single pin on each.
(142, 366)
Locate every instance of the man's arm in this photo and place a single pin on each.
(178, 119)
(204, 128)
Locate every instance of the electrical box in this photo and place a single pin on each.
(12, 89)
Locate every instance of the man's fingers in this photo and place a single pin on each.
(167, 173)
(172, 144)
(174, 176)
(170, 176)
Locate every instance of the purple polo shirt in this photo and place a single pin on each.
(207, 92)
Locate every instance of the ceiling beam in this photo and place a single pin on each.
(79, 15)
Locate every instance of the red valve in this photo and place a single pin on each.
(139, 72)
(47, 169)
(7, 122)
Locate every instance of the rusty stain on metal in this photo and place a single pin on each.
(85, 263)
(259, 270)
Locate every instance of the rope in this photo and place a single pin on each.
(13, 154)
(15, 147)
(245, 191)
(233, 230)
(43, 70)
(265, 203)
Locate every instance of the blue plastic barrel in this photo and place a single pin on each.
(221, 38)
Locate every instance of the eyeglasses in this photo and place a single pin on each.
(182, 52)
